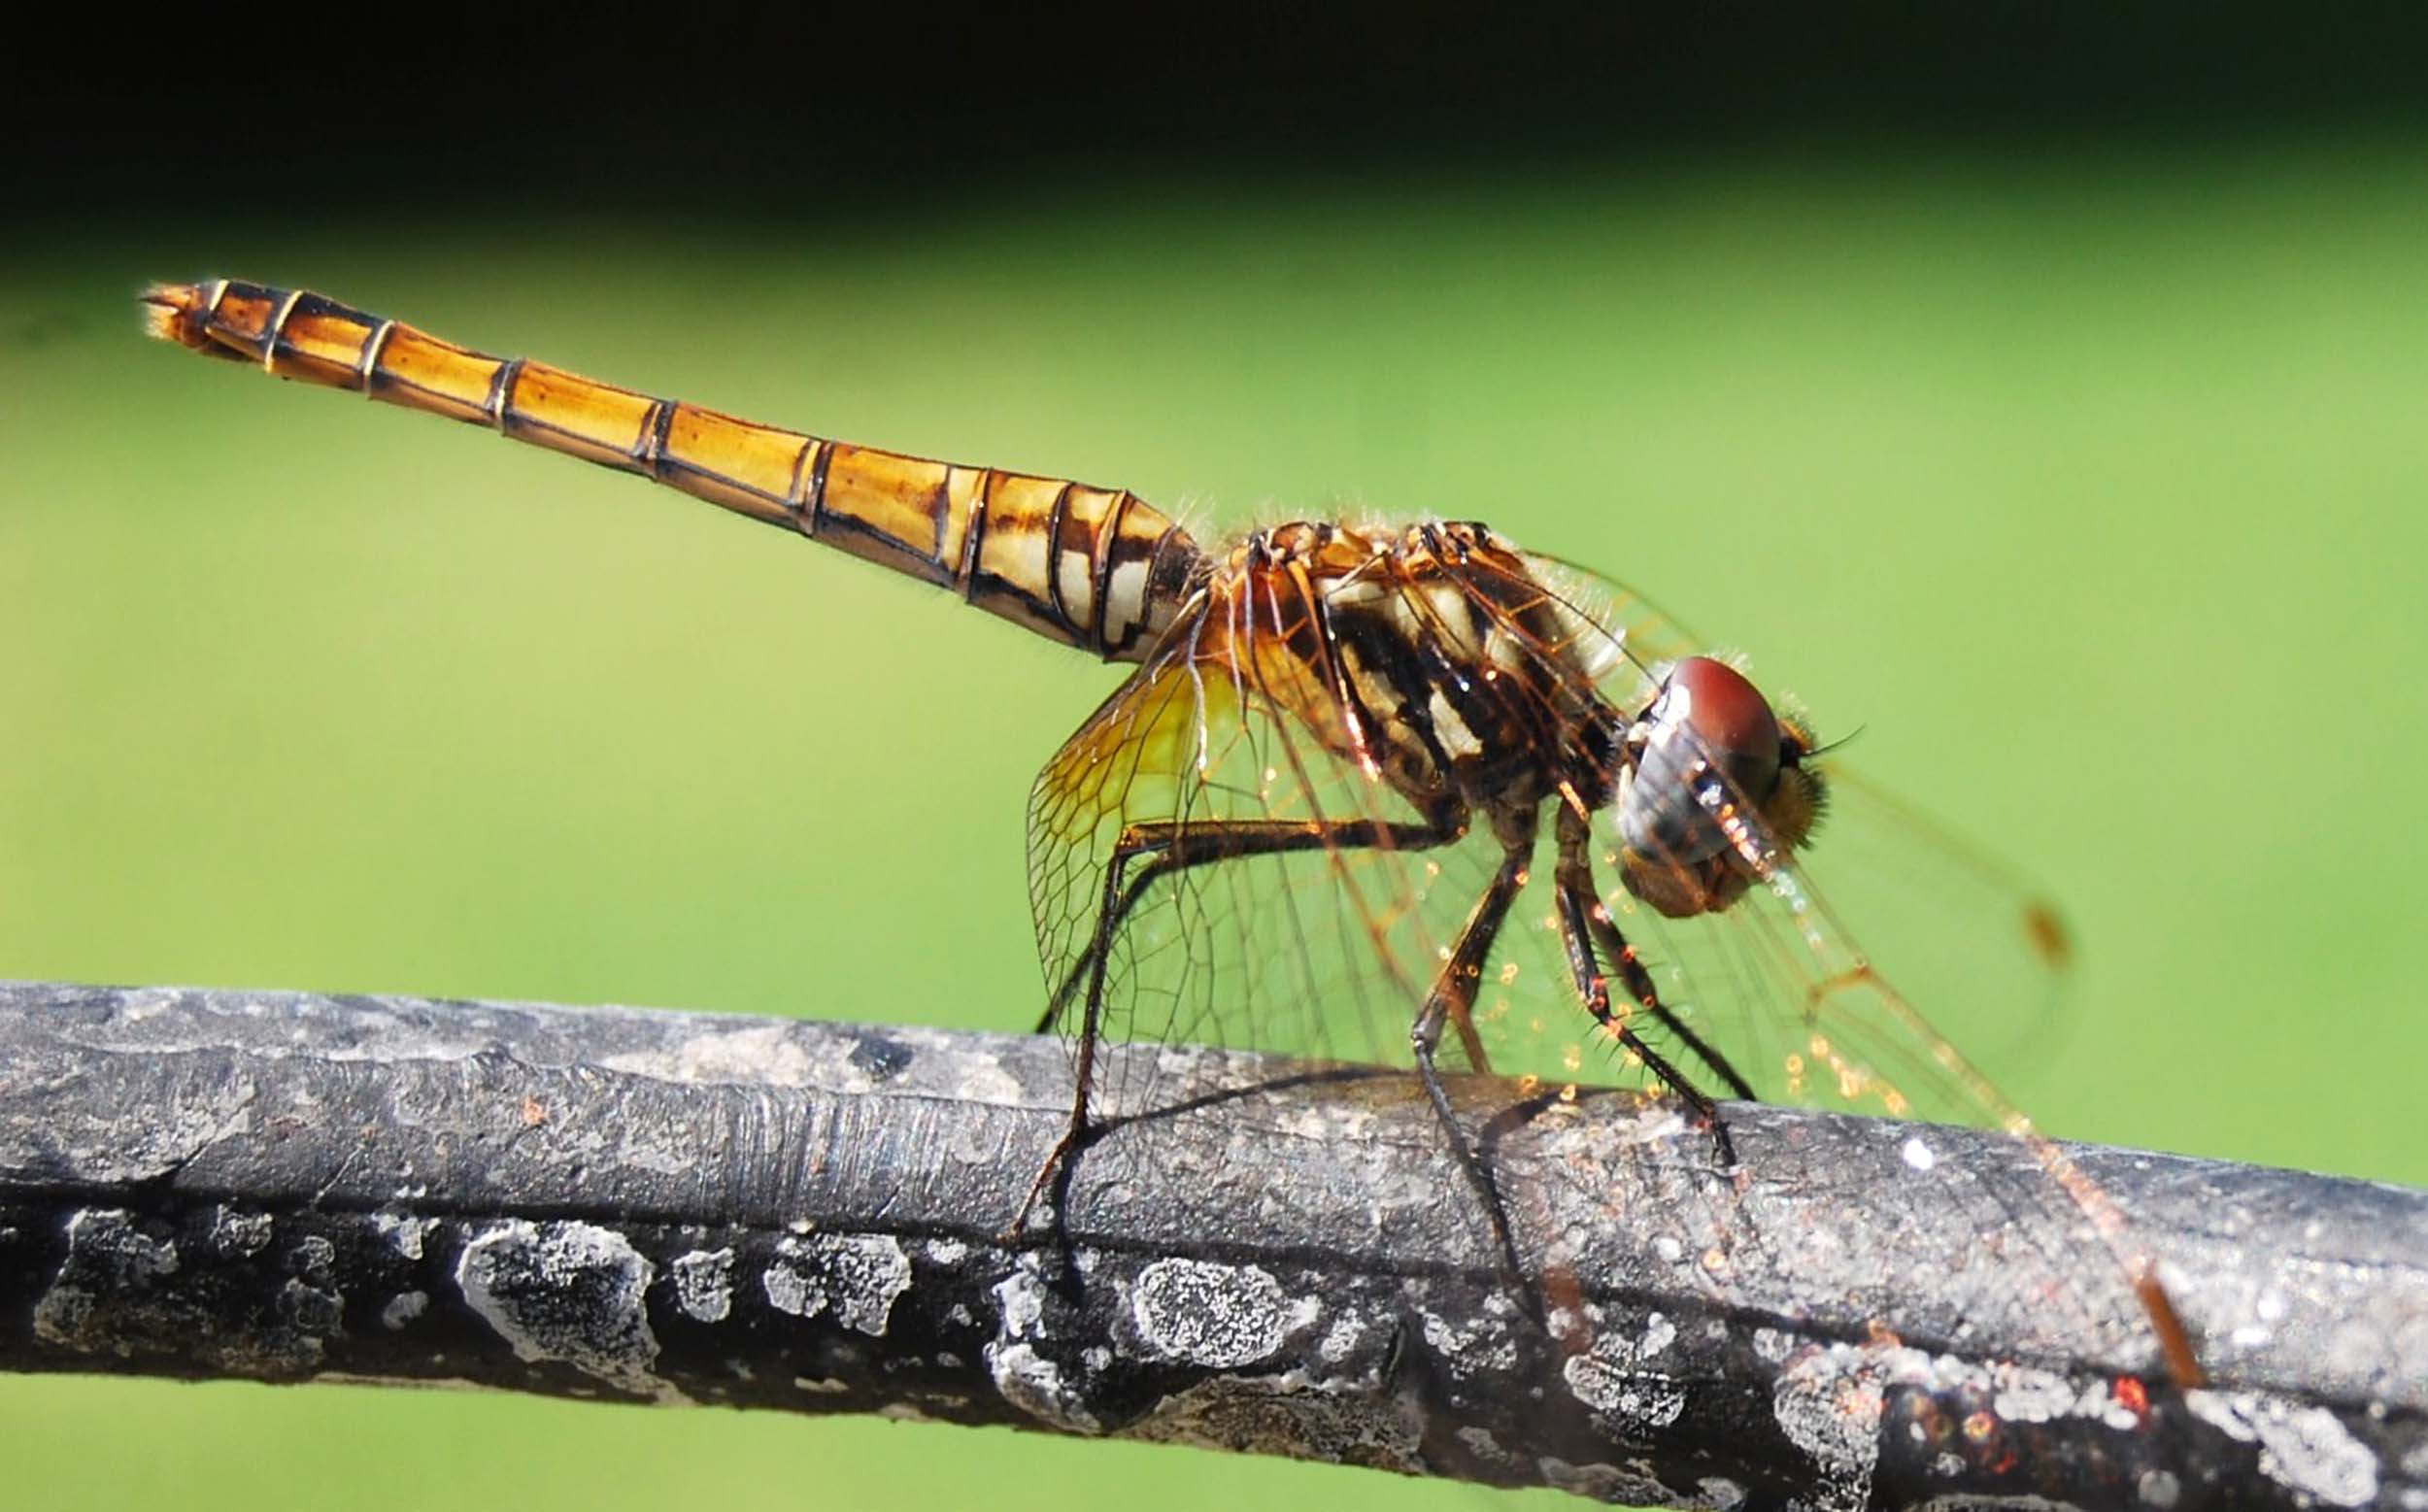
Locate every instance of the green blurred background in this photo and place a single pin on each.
(2079, 460)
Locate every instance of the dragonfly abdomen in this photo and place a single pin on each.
(1098, 568)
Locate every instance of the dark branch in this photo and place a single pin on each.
(779, 1214)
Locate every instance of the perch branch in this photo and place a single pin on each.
(757, 1213)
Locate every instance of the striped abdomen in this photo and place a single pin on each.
(1091, 567)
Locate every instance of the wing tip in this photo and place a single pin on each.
(2052, 943)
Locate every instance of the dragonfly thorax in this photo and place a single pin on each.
(1428, 655)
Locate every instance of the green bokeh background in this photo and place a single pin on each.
(2087, 480)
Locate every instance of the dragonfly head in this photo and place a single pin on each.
(1709, 752)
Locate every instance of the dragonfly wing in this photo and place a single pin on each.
(1913, 915)
(1840, 994)
(1232, 870)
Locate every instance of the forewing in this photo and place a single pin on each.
(1325, 950)
(1889, 940)
(1851, 983)
(1838, 993)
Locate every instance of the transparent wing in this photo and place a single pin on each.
(1825, 1004)
(1820, 994)
(1833, 980)
(1215, 859)
(1325, 950)
(1145, 851)
(1210, 843)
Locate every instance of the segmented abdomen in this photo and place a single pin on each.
(1091, 567)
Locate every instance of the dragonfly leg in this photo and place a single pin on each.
(1168, 848)
(1178, 844)
(1583, 922)
(1055, 1174)
(1451, 1001)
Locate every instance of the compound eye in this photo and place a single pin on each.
(1731, 719)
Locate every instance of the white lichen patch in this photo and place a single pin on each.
(1020, 1300)
(1468, 1346)
(2306, 1449)
(1025, 1377)
(307, 1315)
(2024, 1395)
(567, 1291)
(1035, 1384)
(403, 1231)
(752, 1053)
(1829, 1402)
(857, 1275)
(1482, 1445)
(789, 1291)
(121, 1291)
(1616, 1380)
(964, 1071)
(403, 1308)
(312, 1255)
(2098, 1401)
(238, 1234)
(703, 1284)
(1220, 1317)
(107, 1277)
(1340, 1338)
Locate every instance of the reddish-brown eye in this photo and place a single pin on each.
(1728, 714)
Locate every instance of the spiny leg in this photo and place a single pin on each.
(1172, 847)
(1638, 984)
(1580, 912)
(1180, 844)
(1452, 1001)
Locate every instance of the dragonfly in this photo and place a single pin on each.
(1326, 791)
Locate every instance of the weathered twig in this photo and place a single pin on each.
(778, 1214)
